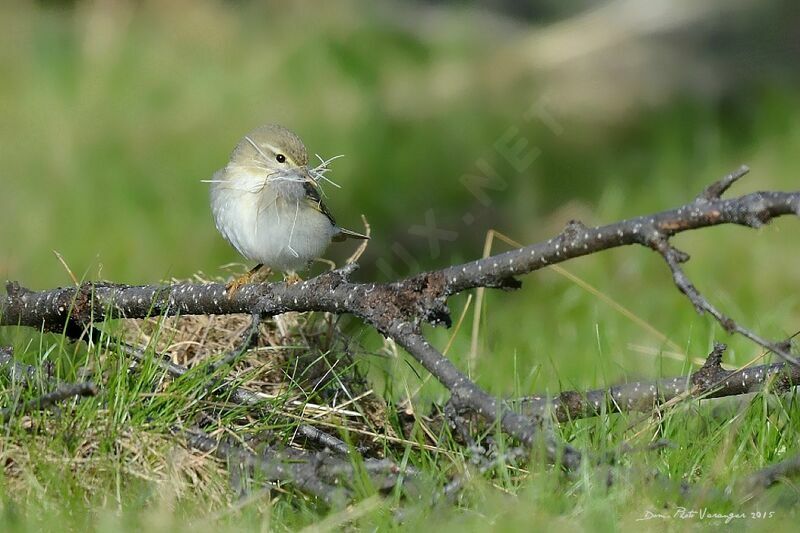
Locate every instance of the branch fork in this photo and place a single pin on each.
(399, 309)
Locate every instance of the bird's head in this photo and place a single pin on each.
(273, 152)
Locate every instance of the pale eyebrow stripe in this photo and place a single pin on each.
(271, 147)
(279, 151)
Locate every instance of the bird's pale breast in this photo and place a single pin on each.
(283, 233)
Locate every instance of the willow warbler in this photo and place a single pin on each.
(266, 203)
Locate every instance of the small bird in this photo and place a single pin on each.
(266, 203)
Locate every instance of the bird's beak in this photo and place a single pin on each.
(301, 174)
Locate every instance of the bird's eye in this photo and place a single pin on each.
(281, 158)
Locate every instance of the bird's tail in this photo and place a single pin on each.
(344, 234)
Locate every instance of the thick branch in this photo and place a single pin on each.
(419, 297)
(465, 392)
(397, 309)
(752, 210)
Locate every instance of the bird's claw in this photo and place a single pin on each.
(244, 279)
(291, 278)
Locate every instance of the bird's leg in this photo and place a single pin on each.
(245, 278)
(291, 277)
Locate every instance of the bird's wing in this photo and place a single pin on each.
(314, 200)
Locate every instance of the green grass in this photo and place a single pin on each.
(109, 462)
(110, 119)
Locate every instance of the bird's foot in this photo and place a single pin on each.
(291, 278)
(259, 271)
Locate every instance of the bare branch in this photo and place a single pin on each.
(18, 372)
(398, 309)
(249, 339)
(419, 297)
(62, 393)
(327, 440)
(26, 375)
(752, 210)
(710, 381)
(718, 188)
(674, 258)
(769, 476)
(319, 474)
(272, 468)
(466, 392)
(232, 392)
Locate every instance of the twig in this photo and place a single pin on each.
(236, 395)
(17, 372)
(249, 340)
(62, 393)
(27, 375)
(271, 468)
(674, 257)
(140, 356)
(222, 387)
(329, 441)
(769, 476)
(364, 243)
(719, 187)
(319, 474)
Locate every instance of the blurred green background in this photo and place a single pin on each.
(111, 114)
